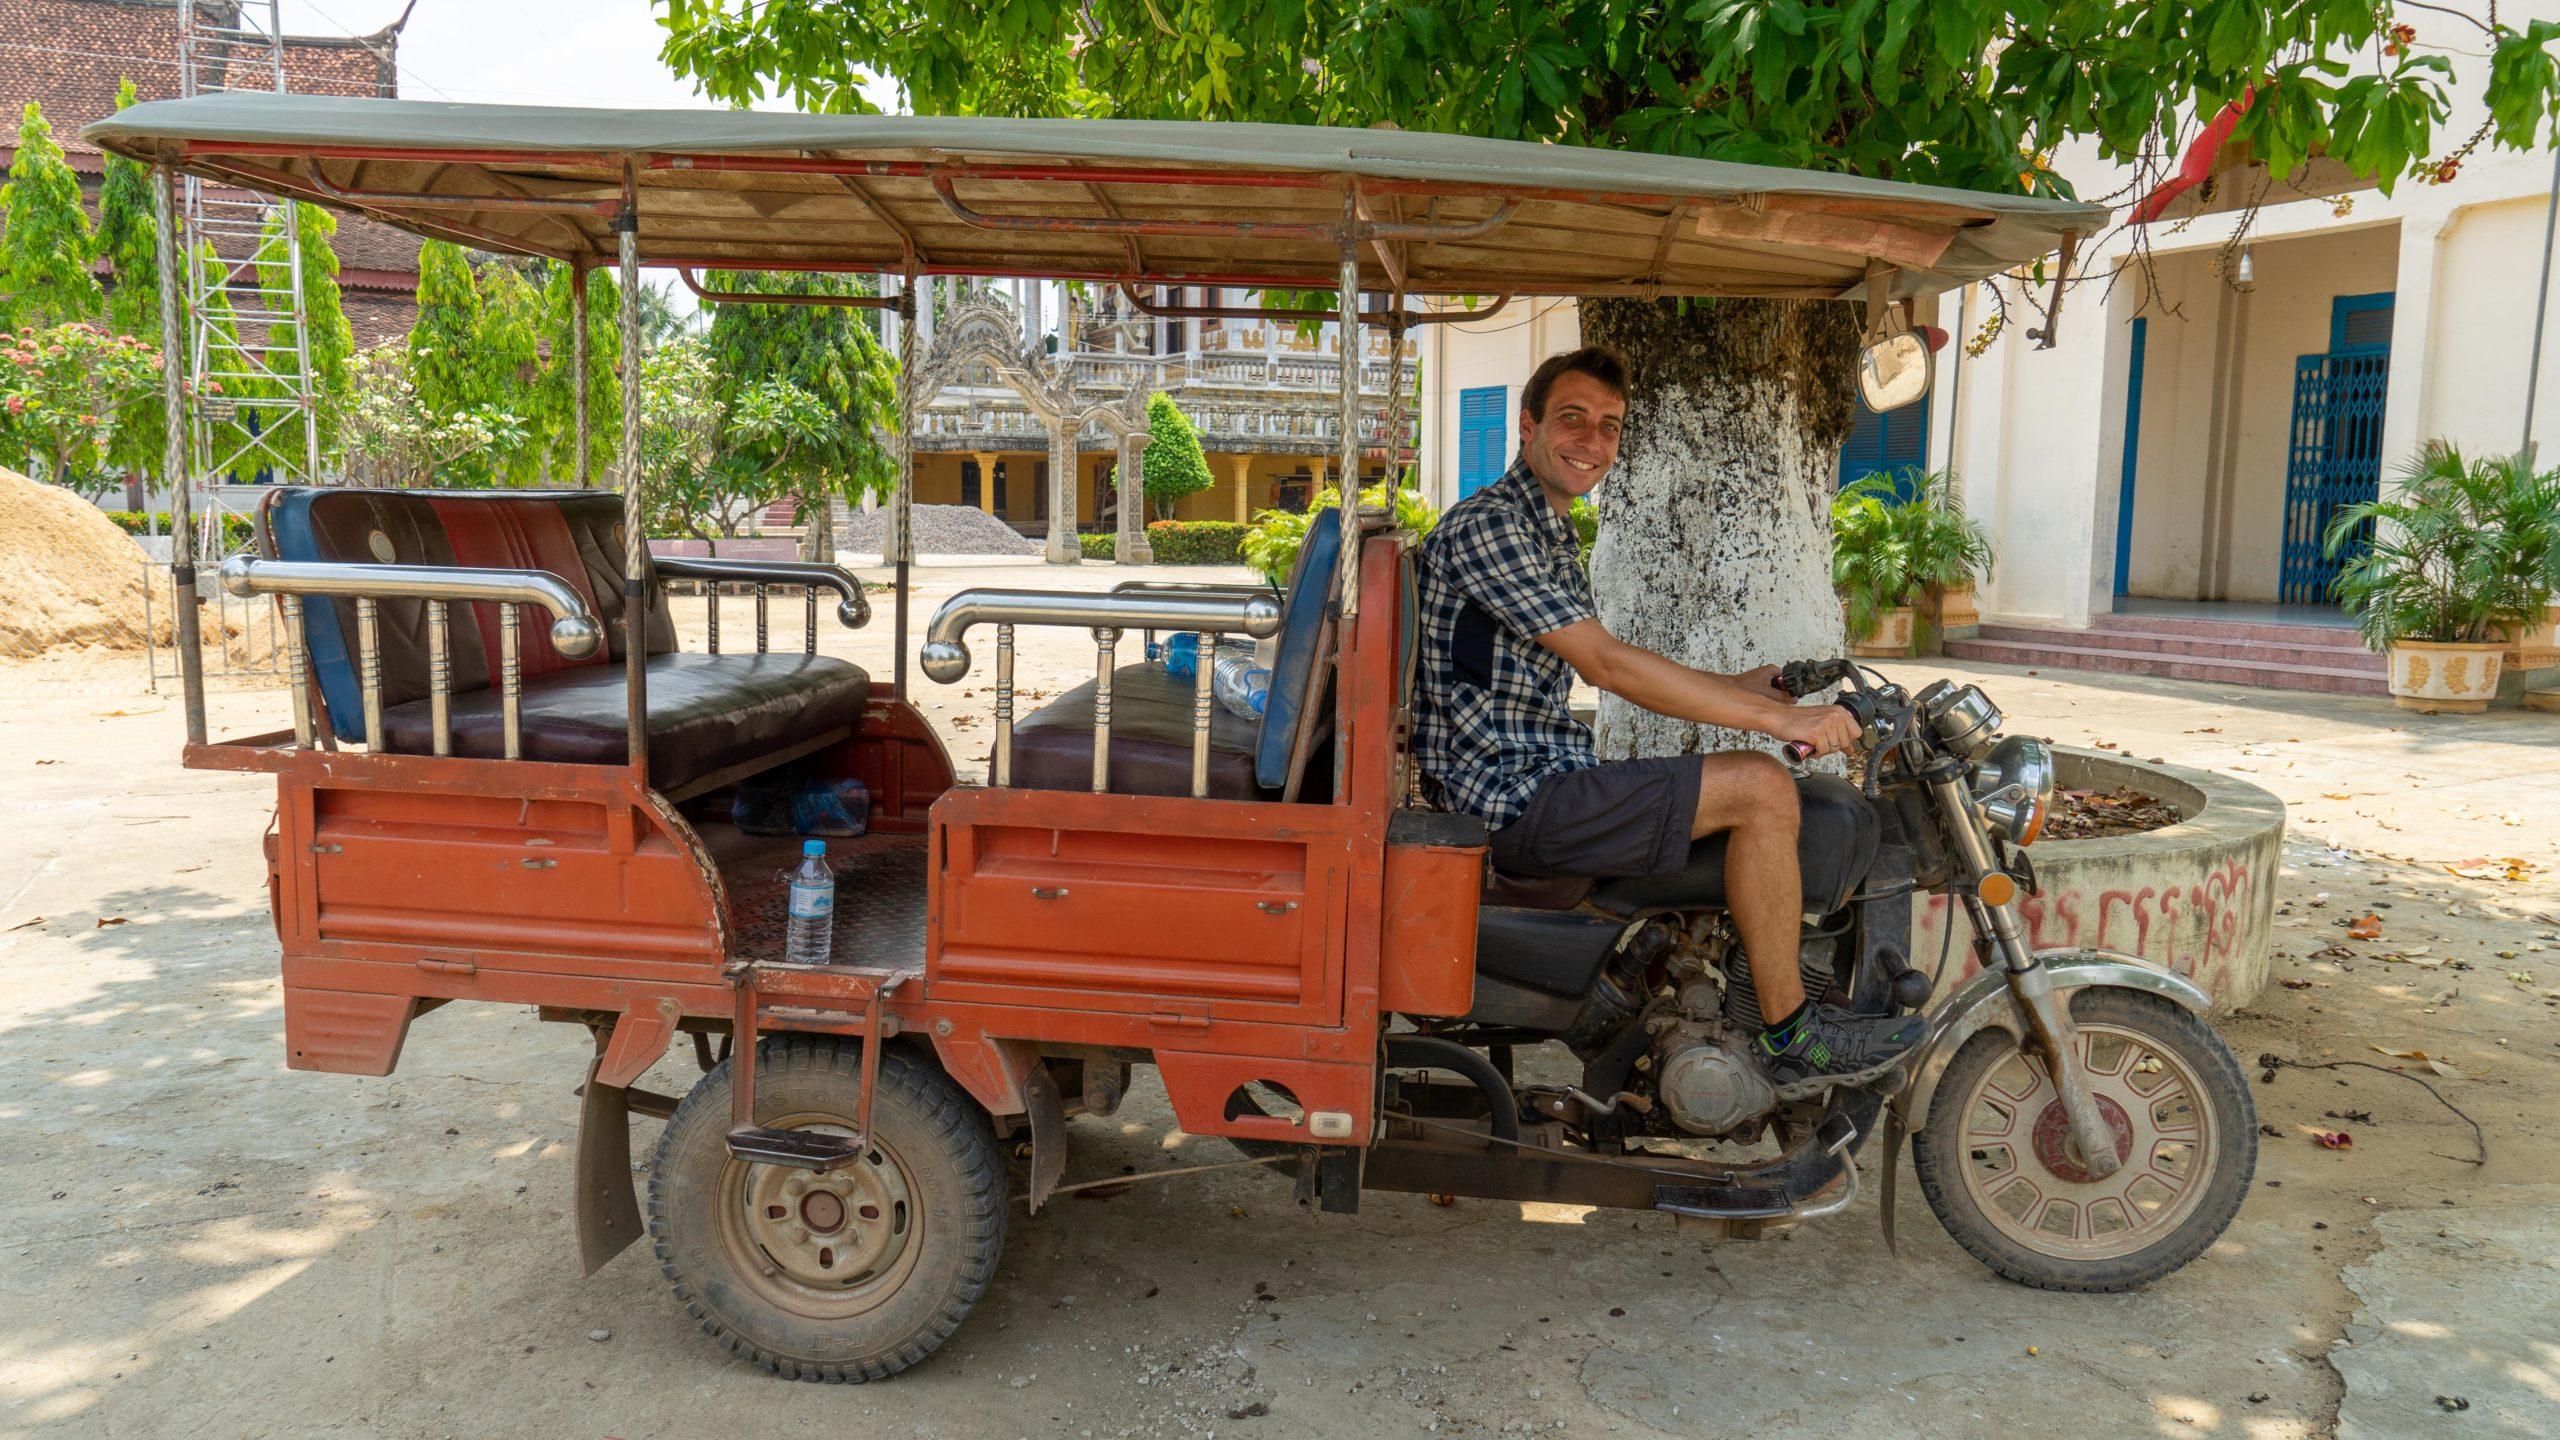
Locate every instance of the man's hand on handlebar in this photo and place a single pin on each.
(1763, 682)
(1826, 729)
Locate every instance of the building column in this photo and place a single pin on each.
(1241, 464)
(986, 480)
(1063, 546)
(2413, 303)
(1132, 548)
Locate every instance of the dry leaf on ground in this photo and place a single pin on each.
(2513, 869)
(2423, 1058)
(2365, 927)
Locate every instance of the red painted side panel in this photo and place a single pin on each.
(1195, 908)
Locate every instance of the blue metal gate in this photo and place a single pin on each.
(2335, 457)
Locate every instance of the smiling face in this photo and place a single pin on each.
(1577, 441)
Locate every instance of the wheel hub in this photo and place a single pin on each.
(831, 1231)
(2059, 1152)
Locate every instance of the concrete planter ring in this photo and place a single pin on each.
(1892, 637)
(2439, 678)
(2196, 898)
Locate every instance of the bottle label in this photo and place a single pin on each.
(809, 902)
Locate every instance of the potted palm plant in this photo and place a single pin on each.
(1897, 539)
(2458, 563)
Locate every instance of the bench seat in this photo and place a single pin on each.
(707, 713)
(1150, 740)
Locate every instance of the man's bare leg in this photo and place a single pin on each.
(1807, 1048)
(1753, 796)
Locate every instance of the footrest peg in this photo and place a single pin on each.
(799, 1149)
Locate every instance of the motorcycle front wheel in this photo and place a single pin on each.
(1998, 1163)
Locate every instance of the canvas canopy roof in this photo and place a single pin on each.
(1165, 202)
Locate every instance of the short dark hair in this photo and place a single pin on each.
(1601, 362)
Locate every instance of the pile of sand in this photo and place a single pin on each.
(68, 576)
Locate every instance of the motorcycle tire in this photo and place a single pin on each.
(1995, 1158)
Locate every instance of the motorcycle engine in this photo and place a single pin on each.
(1707, 1079)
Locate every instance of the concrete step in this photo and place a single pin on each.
(2269, 674)
(2332, 650)
(2275, 631)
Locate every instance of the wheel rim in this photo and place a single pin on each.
(827, 1246)
(2027, 1176)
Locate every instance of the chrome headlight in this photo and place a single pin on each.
(2014, 786)
(1961, 716)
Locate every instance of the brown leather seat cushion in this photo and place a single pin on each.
(706, 713)
(1150, 740)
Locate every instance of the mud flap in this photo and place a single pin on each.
(607, 1207)
(1048, 1116)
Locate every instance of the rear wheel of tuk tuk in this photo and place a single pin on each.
(850, 1275)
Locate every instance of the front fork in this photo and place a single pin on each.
(2048, 1015)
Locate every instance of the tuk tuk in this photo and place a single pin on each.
(1315, 965)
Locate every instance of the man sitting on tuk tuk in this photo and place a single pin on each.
(1508, 620)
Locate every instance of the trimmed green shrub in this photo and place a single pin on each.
(1196, 542)
(236, 529)
(1173, 465)
(1099, 547)
(1272, 545)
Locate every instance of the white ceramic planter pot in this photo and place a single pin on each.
(2445, 679)
(1892, 638)
(2537, 648)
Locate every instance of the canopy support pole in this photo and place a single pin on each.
(902, 501)
(173, 461)
(1349, 397)
(635, 538)
(578, 363)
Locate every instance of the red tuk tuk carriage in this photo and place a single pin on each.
(1315, 967)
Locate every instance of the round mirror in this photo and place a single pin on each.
(1894, 371)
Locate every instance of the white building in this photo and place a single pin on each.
(2166, 468)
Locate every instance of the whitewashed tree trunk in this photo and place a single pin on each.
(1715, 529)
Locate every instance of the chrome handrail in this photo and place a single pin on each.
(853, 610)
(946, 652)
(575, 631)
(1190, 587)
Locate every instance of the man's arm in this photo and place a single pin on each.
(1668, 687)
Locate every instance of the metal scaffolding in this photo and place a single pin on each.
(247, 346)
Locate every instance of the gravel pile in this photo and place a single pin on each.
(939, 530)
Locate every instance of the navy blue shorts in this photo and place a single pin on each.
(1620, 817)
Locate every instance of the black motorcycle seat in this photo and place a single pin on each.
(1557, 951)
(1835, 846)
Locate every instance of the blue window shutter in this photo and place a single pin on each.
(1482, 451)
(1894, 441)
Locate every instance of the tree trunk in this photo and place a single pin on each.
(818, 526)
(1715, 530)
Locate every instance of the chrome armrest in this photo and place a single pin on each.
(853, 610)
(575, 631)
(1192, 587)
(946, 653)
(1210, 614)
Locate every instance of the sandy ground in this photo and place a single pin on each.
(194, 1241)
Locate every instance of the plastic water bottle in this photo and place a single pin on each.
(1241, 685)
(813, 907)
(1181, 654)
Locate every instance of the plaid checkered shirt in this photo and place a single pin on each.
(1491, 719)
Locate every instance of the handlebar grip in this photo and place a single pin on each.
(1797, 751)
